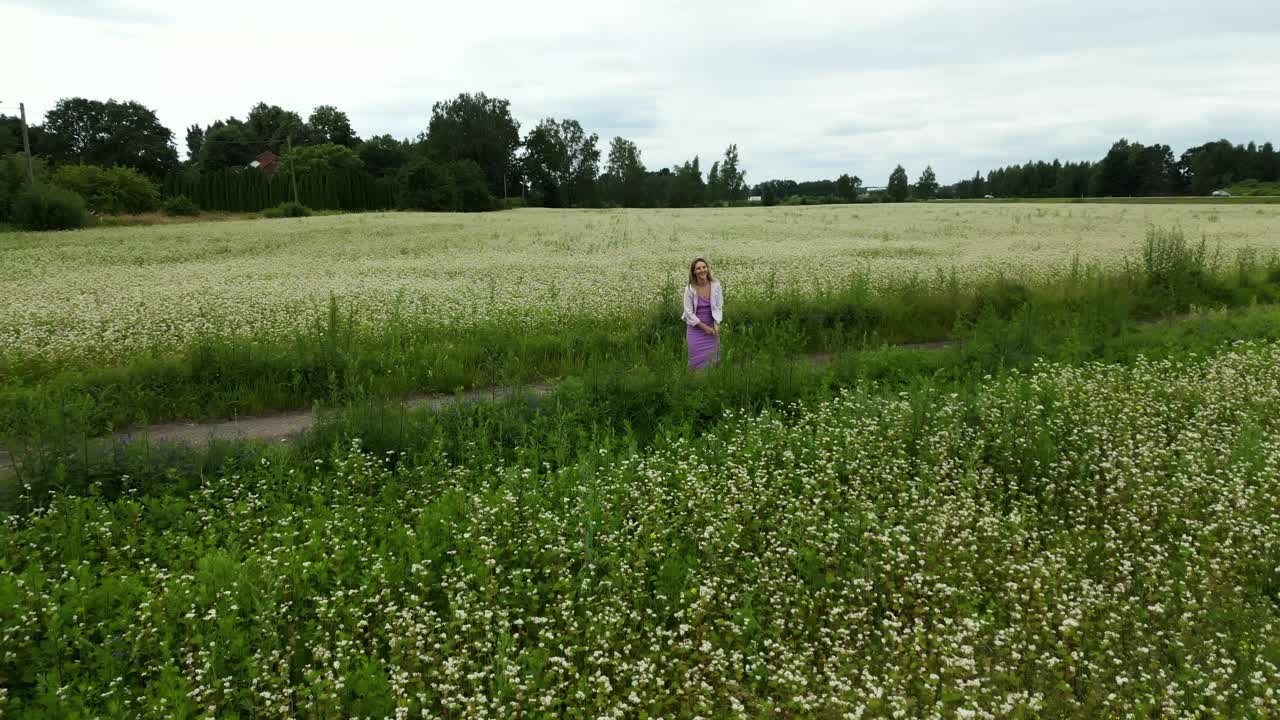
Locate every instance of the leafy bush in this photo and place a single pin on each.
(13, 177)
(1171, 264)
(287, 210)
(45, 207)
(180, 205)
(109, 190)
(1254, 188)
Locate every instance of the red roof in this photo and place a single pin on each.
(267, 162)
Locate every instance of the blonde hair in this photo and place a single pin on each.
(694, 280)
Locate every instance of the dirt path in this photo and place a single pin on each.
(288, 426)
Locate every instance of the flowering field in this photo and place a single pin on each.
(1094, 541)
(113, 291)
(908, 535)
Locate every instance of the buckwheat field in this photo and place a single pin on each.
(107, 292)
(1056, 517)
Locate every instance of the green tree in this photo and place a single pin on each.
(109, 133)
(13, 179)
(847, 188)
(470, 188)
(1154, 169)
(1115, 175)
(329, 125)
(715, 186)
(899, 187)
(1209, 167)
(657, 188)
(562, 162)
(271, 126)
(426, 185)
(1270, 163)
(227, 143)
(627, 172)
(479, 128)
(383, 155)
(11, 137)
(927, 184)
(321, 159)
(195, 141)
(688, 188)
(732, 178)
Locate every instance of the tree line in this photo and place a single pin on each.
(1130, 169)
(473, 155)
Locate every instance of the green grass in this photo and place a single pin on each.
(1255, 189)
(1085, 540)
(338, 360)
(1068, 513)
(618, 405)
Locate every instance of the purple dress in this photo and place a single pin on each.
(704, 348)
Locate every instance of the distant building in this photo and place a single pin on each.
(267, 162)
(754, 199)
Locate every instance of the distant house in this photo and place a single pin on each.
(1221, 193)
(755, 199)
(267, 162)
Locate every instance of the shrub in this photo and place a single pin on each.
(110, 190)
(13, 178)
(515, 203)
(287, 210)
(45, 207)
(180, 205)
(1171, 264)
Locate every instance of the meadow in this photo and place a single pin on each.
(111, 292)
(1068, 512)
(108, 328)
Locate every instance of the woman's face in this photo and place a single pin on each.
(700, 271)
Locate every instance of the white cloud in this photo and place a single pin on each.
(805, 89)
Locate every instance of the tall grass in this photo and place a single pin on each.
(619, 408)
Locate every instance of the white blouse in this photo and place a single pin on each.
(691, 304)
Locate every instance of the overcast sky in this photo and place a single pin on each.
(806, 89)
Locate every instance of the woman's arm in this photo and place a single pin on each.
(690, 317)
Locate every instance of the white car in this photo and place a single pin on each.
(1221, 193)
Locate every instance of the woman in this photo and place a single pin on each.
(703, 313)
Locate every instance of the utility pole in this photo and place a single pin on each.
(293, 177)
(26, 143)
